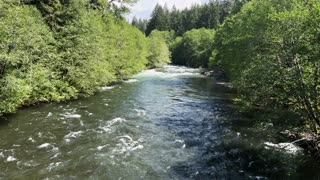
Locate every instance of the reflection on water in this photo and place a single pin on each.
(170, 123)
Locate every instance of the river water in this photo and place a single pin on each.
(170, 123)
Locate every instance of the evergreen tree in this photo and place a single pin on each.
(209, 15)
(158, 20)
(134, 21)
(141, 24)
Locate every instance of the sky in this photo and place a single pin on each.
(143, 8)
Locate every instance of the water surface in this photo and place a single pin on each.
(170, 123)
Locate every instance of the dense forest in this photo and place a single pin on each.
(56, 50)
(269, 49)
(209, 16)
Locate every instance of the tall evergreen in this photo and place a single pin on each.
(158, 20)
(209, 15)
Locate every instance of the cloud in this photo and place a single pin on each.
(143, 8)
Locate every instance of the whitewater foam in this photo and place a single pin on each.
(49, 114)
(109, 124)
(55, 156)
(99, 148)
(116, 121)
(11, 159)
(105, 128)
(131, 81)
(73, 135)
(170, 72)
(287, 147)
(71, 116)
(53, 165)
(126, 145)
(31, 139)
(105, 88)
(45, 145)
(140, 112)
(81, 123)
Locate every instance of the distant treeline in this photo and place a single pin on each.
(209, 15)
(55, 50)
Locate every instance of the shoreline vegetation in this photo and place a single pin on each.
(58, 50)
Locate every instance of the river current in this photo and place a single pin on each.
(168, 123)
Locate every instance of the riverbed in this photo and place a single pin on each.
(168, 123)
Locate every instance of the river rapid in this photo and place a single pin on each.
(169, 123)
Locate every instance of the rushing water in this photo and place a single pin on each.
(171, 123)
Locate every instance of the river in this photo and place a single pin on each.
(169, 123)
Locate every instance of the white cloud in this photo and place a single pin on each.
(143, 8)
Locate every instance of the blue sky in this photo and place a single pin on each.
(143, 8)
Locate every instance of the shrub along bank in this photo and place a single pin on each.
(59, 50)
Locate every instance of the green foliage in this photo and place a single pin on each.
(194, 48)
(159, 53)
(131, 50)
(60, 50)
(271, 52)
(14, 92)
(27, 53)
(167, 36)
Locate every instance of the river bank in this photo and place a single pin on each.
(295, 138)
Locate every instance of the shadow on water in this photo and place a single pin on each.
(4, 121)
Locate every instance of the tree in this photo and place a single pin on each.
(209, 16)
(134, 21)
(158, 20)
(55, 12)
(119, 7)
(159, 53)
(141, 24)
(269, 52)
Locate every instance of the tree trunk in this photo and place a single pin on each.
(312, 112)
